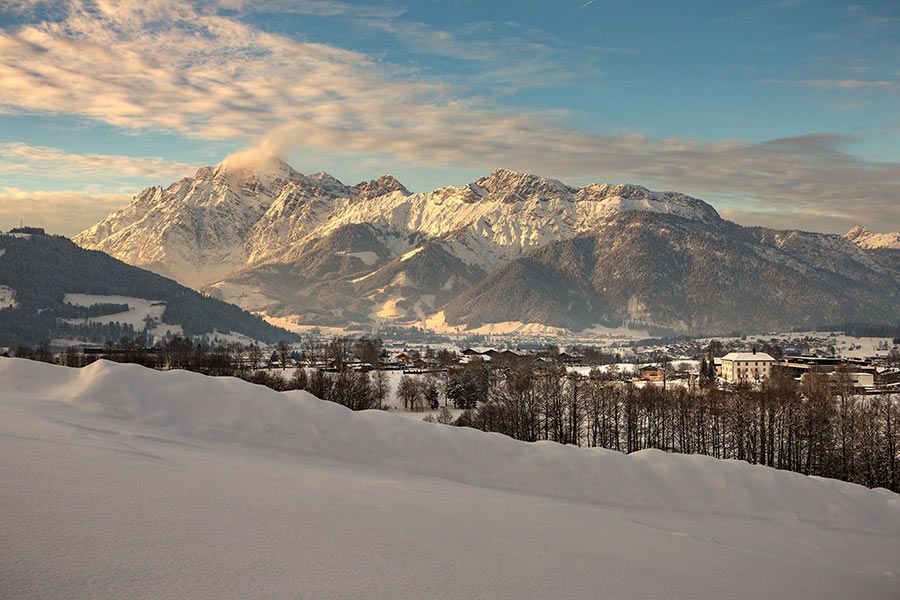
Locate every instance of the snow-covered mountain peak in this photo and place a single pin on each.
(269, 169)
(624, 197)
(510, 186)
(258, 182)
(326, 179)
(386, 184)
(864, 238)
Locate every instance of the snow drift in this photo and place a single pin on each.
(230, 410)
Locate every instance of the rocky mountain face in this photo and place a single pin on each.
(508, 247)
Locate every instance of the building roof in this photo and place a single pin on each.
(748, 356)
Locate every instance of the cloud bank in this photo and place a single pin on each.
(52, 163)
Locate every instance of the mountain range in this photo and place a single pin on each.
(510, 250)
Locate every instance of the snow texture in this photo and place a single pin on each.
(125, 482)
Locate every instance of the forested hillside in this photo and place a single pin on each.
(39, 270)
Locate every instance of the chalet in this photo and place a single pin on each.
(824, 364)
(859, 379)
(570, 359)
(650, 373)
(501, 357)
(480, 352)
(746, 366)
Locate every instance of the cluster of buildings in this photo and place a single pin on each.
(862, 374)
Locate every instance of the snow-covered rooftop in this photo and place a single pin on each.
(748, 356)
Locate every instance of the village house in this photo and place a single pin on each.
(650, 373)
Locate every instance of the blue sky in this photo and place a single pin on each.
(782, 113)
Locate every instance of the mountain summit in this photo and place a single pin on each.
(509, 248)
(864, 238)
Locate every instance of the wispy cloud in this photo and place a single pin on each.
(51, 163)
(501, 57)
(321, 8)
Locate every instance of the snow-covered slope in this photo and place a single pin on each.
(125, 482)
(864, 238)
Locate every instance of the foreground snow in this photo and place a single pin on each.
(124, 482)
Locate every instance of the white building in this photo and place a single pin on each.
(862, 379)
(741, 366)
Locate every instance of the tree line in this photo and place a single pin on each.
(819, 426)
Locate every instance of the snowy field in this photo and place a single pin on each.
(844, 345)
(138, 311)
(122, 482)
(858, 347)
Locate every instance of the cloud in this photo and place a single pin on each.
(23, 159)
(852, 84)
(321, 8)
(258, 154)
(811, 222)
(162, 65)
(167, 65)
(64, 212)
(504, 58)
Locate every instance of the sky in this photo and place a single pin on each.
(783, 113)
